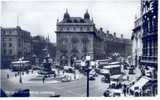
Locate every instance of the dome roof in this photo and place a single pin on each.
(66, 15)
(86, 15)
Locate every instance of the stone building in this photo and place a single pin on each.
(114, 44)
(15, 43)
(147, 31)
(76, 38)
(137, 42)
(150, 36)
(149, 12)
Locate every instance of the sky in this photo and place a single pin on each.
(40, 17)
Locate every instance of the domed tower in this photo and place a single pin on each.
(66, 15)
(86, 15)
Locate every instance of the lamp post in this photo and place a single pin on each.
(74, 59)
(20, 77)
(88, 58)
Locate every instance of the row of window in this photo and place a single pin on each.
(74, 41)
(150, 25)
(5, 39)
(75, 28)
(5, 52)
(8, 32)
(74, 50)
(5, 45)
(150, 48)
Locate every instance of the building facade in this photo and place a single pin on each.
(76, 38)
(137, 42)
(147, 33)
(150, 37)
(114, 44)
(15, 43)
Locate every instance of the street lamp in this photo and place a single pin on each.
(20, 77)
(88, 58)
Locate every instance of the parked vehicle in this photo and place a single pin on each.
(92, 78)
(107, 93)
(66, 79)
(105, 79)
(93, 72)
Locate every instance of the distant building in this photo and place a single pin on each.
(76, 38)
(39, 43)
(15, 43)
(114, 44)
(137, 42)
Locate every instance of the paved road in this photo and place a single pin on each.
(65, 89)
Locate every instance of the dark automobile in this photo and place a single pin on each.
(91, 77)
(116, 94)
(105, 80)
(70, 70)
(131, 71)
(107, 93)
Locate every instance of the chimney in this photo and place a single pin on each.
(114, 34)
(121, 36)
(101, 29)
(107, 31)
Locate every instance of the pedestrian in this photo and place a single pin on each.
(7, 76)
(15, 74)
(128, 78)
(43, 79)
(74, 76)
(124, 90)
(54, 75)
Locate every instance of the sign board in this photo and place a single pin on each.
(88, 58)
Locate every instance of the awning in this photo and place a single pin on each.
(140, 83)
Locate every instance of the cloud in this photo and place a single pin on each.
(39, 17)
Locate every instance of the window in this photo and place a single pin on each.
(74, 28)
(10, 39)
(88, 28)
(4, 51)
(81, 28)
(4, 44)
(10, 32)
(10, 44)
(10, 51)
(61, 28)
